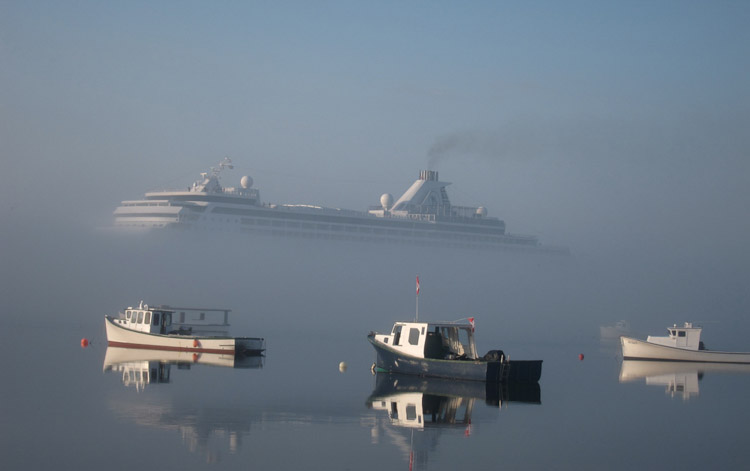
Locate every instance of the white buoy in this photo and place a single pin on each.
(342, 366)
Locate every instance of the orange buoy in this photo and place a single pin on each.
(196, 343)
(580, 356)
(84, 342)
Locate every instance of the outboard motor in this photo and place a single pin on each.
(494, 355)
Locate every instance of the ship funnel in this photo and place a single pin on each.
(428, 175)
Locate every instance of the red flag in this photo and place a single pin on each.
(417, 286)
(471, 321)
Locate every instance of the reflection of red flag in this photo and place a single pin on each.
(467, 432)
(411, 459)
(471, 321)
(417, 286)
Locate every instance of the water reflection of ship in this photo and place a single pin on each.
(141, 367)
(678, 378)
(432, 405)
(204, 427)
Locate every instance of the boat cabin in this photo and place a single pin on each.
(442, 340)
(203, 321)
(686, 337)
(145, 319)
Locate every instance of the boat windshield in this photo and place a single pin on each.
(459, 341)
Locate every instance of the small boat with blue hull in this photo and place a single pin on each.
(152, 328)
(446, 350)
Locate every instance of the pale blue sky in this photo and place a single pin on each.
(576, 121)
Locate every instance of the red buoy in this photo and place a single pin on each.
(580, 356)
(84, 342)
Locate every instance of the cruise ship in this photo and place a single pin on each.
(422, 215)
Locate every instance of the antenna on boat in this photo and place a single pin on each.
(416, 318)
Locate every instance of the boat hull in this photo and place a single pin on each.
(392, 361)
(118, 336)
(634, 349)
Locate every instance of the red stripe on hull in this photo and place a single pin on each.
(172, 349)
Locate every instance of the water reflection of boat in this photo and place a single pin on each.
(682, 344)
(433, 406)
(446, 350)
(153, 328)
(140, 367)
(416, 402)
(677, 377)
(210, 427)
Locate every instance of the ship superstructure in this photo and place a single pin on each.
(423, 215)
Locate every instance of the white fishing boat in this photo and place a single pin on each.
(446, 350)
(152, 328)
(682, 344)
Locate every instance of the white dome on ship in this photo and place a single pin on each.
(386, 200)
(246, 182)
(482, 212)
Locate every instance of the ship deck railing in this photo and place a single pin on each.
(430, 211)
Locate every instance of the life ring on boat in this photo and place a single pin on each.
(196, 343)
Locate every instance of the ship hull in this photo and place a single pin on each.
(266, 221)
(392, 361)
(122, 337)
(634, 349)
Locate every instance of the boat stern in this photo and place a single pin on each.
(249, 346)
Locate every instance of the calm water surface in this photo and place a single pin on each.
(294, 409)
(65, 407)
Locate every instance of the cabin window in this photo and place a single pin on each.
(140, 317)
(672, 332)
(203, 316)
(182, 317)
(147, 319)
(411, 412)
(127, 315)
(463, 337)
(681, 333)
(397, 335)
(385, 340)
(413, 336)
(156, 318)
